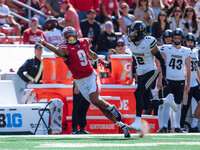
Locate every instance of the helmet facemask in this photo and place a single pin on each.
(192, 38)
(70, 37)
(137, 31)
(133, 35)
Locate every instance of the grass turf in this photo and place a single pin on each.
(102, 142)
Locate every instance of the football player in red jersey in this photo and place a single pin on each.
(76, 53)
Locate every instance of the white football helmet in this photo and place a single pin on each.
(69, 35)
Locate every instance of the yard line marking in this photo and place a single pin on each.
(113, 145)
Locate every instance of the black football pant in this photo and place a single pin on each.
(80, 107)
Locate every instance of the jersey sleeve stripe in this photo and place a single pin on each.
(154, 41)
(152, 46)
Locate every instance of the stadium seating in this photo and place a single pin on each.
(11, 39)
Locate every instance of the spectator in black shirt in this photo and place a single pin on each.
(91, 28)
(107, 40)
(33, 67)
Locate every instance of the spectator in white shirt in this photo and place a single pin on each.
(6, 19)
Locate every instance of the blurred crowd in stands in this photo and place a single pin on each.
(102, 21)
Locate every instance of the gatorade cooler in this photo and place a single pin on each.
(104, 73)
(100, 68)
(48, 69)
(122, 69)
(63, 75)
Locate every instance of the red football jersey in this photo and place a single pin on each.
(78, 59)
(30, 37)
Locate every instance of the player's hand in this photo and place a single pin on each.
(30, 82)
(76, 90)
(187, 89)
(41, 40)
(165, 82)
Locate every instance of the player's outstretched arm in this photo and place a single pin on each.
(58, 51)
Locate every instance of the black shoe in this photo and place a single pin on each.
(160, 131)
(116, 113)
(195, 129)
(126, 132)
(75, 131)
(164, 130)
(83, 131)
(178, 130)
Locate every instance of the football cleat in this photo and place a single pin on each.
(126, 132)
(75, 131)
(195, 129)
(116, 113)
(170, 101)
(164, 130)
(83, 131)
(178, 130)
(135, 126)
(160, 131)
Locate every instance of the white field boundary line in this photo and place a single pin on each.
(178, 138)
(113, 144)
(98, 135)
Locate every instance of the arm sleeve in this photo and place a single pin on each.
(134, 65)
(21, 71)
(162, 63)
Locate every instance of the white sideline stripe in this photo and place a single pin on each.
(98, 135)
(104, 97)
(103, 86)
(171, 138)
(113, 144)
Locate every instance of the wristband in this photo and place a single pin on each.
(97, 59)
(43, 43)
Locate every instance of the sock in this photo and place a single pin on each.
(119, 124)
(165, 115)
(138, 120)
(110, 107)
(183, 115)
(172, 118)
(194, 122)
(160, 110)
(177, 116)
(164, 100)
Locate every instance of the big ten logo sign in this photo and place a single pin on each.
(127, 70)
(124, 105)
(11, 120)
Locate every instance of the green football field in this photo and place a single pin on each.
(102, 142)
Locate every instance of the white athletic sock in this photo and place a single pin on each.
(172, 118)
(194, 122)
(165, 115)
(177, 116)
(119, 124)
(110, 107)
(137, 120)
(160, 111)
